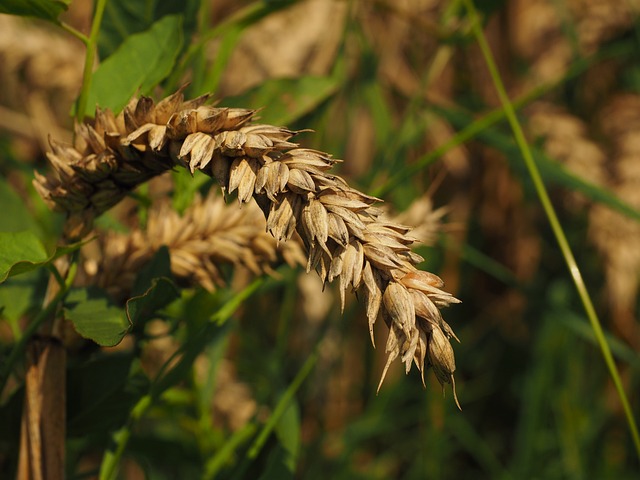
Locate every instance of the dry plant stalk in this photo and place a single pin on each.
(343, 233)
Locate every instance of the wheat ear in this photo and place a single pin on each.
(343, 233)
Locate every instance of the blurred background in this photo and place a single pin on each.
(399, 90)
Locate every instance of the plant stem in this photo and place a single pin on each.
(43, 424)
(553, 219)
(76, 33)
(89, 59)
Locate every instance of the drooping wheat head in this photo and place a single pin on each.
(343, 233)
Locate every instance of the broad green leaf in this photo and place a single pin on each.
(45, 9)
(16, 216)
(286, 99)
(95, 317)
(22, 252)
(142, 61)
(123, 18)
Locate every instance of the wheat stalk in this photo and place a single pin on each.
(343, 233)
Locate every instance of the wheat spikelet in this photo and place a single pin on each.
(343, 233)
(207, 235)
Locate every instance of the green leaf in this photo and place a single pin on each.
(154, 289)
(23, 252)
(161, 292)
(123, 18)
(16, 216)
(142, 61)
(45, 9)
(286, 99)
(95, 317)
(159, 266)
(288, 433)
(20, 252)
(18, 295)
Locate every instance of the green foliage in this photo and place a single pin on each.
(95, 317)
(142, 61)
(154, 289)
(17, 216)
(19, 253)
(122, 19)
(22, 252)
(45, 9)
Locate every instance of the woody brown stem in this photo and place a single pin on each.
(43, 432)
